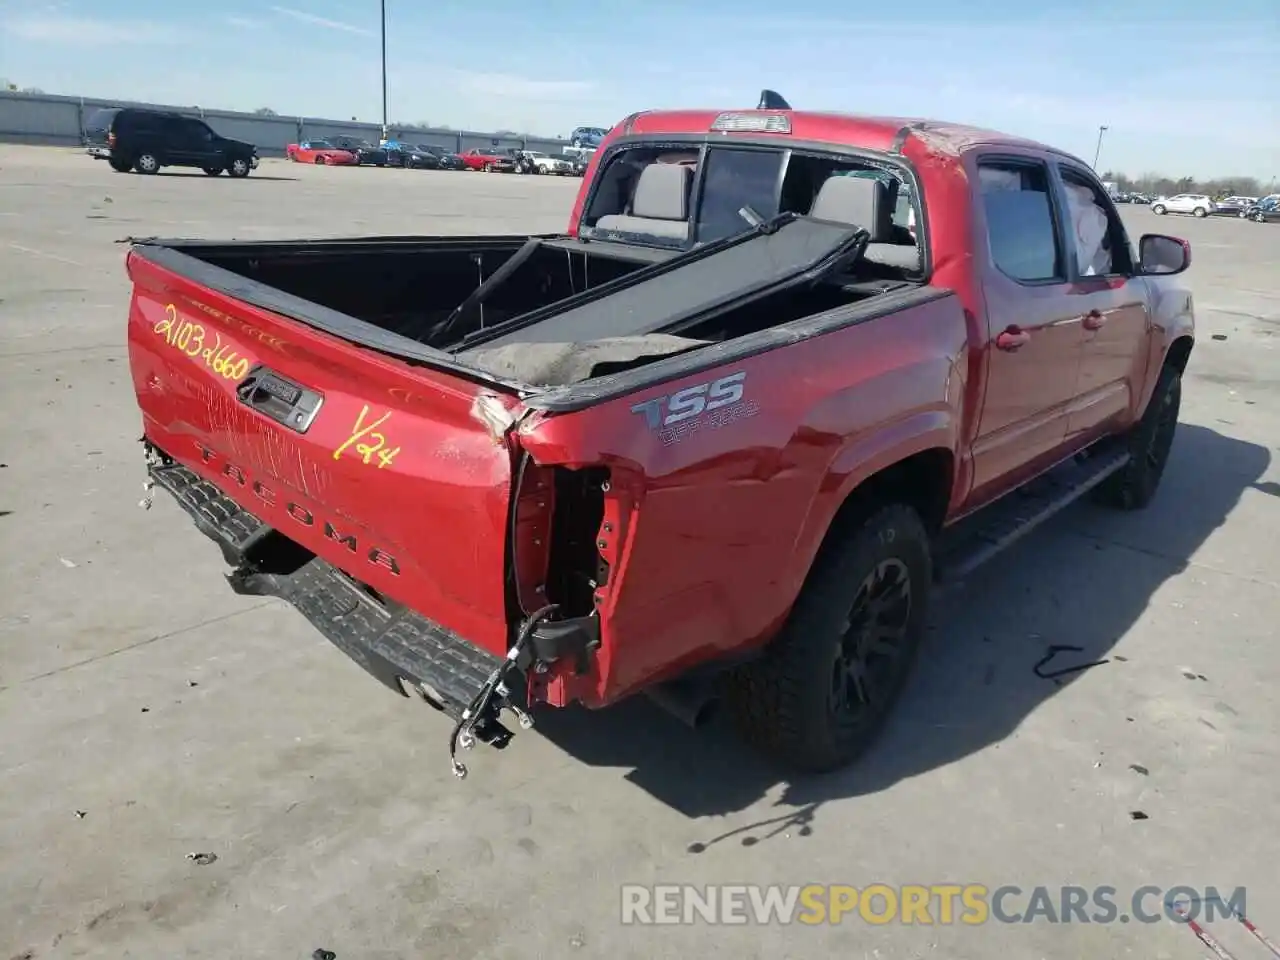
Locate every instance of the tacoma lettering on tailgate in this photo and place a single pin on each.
(300, 514)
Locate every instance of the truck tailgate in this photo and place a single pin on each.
(397, 475)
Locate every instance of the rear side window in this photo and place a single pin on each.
(1021, 231)
(735, 179)
(100, 120)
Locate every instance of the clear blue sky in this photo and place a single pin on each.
(1185, 88)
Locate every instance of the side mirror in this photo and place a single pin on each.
(1163, 256)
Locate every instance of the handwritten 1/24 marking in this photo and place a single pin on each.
(193, 340)
(367, 441)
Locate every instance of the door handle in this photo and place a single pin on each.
(1012, 338)
(1094, 320)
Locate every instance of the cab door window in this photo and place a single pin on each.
(1100, 242)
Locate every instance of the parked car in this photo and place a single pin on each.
(447, 158)
(401, 154)
(546, 164)
(129, 138)
(320, 152)
(365, 151)
(415, 158)
(489, 160)
(1197, 204)
(1265, 210)
(587, 136)
(518, 157)
(1233, 206)
(731, 448)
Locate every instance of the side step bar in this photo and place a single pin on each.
(979, 537)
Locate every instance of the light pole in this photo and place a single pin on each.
(384, 70)
(1098, 151)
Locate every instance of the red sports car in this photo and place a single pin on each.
(488, 159)
(322, 152)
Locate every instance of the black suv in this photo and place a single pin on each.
(146, 140)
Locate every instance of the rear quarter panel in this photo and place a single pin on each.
(711, 525)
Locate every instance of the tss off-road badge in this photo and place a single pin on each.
(703, 406)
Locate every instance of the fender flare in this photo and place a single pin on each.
(859, 460)
(1179, 329)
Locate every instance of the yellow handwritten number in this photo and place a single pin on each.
(189, 338)
(368, 442)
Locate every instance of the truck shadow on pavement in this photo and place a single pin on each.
(201, 175)
(976, 679)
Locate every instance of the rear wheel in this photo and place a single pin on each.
(819, 696)
(120, 166)
(319, 161)
(1201, 212)
(1149, 442)
(213, 171)
(147, 163)
(1159, 209)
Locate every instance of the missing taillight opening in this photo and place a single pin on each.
(575, 568)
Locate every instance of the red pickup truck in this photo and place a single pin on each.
(717, 443)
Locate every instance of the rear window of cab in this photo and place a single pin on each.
(723, 182)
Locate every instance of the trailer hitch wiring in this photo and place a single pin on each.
(494, 695)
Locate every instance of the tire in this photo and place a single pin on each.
(239, 168)
(1259, 217)
(319, 161)
(488, 168)
(147, 163)
(120, 166)
(1159, 210)
(796, 702)
(212, 171)
(1149, 442)
(1200, 212)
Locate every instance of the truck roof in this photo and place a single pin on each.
(846, 129)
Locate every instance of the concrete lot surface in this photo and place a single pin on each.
(147, 713)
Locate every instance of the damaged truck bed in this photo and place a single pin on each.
(549, 311)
